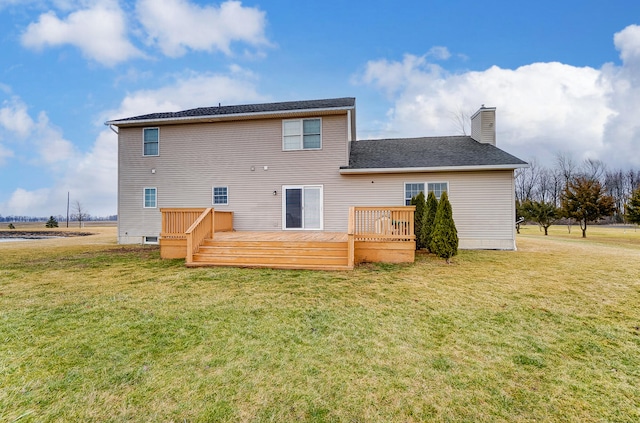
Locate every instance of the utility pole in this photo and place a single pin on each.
(67, 209)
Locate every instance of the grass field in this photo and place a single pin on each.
(93, 331)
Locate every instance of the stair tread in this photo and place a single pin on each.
(272, 266)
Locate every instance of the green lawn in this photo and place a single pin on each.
(99, 332)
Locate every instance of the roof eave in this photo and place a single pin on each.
(432, 169)
(229, 116)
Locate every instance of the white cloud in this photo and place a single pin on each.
(542, 108)
(5, 154)
(178, 25)
(15, 118)
(23, 202)
(51, 146)
(627, 42)
(99, 31)
(439, 52)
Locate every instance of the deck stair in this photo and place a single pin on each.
(281, 254)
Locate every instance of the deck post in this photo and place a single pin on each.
(189, 257)
(213, 223)
(351, 238)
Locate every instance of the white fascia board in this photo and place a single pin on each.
(209, 118)
(431, 169)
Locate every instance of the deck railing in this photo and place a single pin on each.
(382, 223)
(200, 230)
(175, 222)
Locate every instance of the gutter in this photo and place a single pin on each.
(365, 171)
(228, 116)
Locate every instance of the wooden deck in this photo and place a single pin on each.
(205, 238)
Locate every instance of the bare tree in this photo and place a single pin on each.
(632, 182)
(461, 121)
(567, 168)
(80, 214)
(614, 186)
(594, 169)
(527, 181)
(546, 186)
(558, 186)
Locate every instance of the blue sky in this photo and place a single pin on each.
(562, 74)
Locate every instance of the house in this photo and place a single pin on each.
(296, 167)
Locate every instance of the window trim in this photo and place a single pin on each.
(155, 198)
(301, 134)
(426, 188)
(213, 195)
(404, 192)
(143, 144)
(284, 206)
(145, 240)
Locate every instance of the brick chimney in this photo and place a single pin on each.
(483, 125)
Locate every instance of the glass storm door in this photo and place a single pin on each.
(302, 207)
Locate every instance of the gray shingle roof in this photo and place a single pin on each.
(332, 103)
(427, 152)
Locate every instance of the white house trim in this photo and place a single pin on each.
(430, 169)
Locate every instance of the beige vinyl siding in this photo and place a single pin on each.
(483, 202)
(196, 157)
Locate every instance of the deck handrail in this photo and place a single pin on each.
(374, 223)
(201, 229)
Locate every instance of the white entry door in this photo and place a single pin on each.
(302, 207)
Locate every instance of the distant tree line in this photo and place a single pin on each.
(59, 218)
(570, 191)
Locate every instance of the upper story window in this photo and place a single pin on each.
(220, 195)
(150, 200)
(150, 141)
(302, 134)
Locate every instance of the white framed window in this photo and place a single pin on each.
(302, 134)
(151, 240)
(151, 141)
(411, 189)
(150, 198)
(220, 196)
(437, 188)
